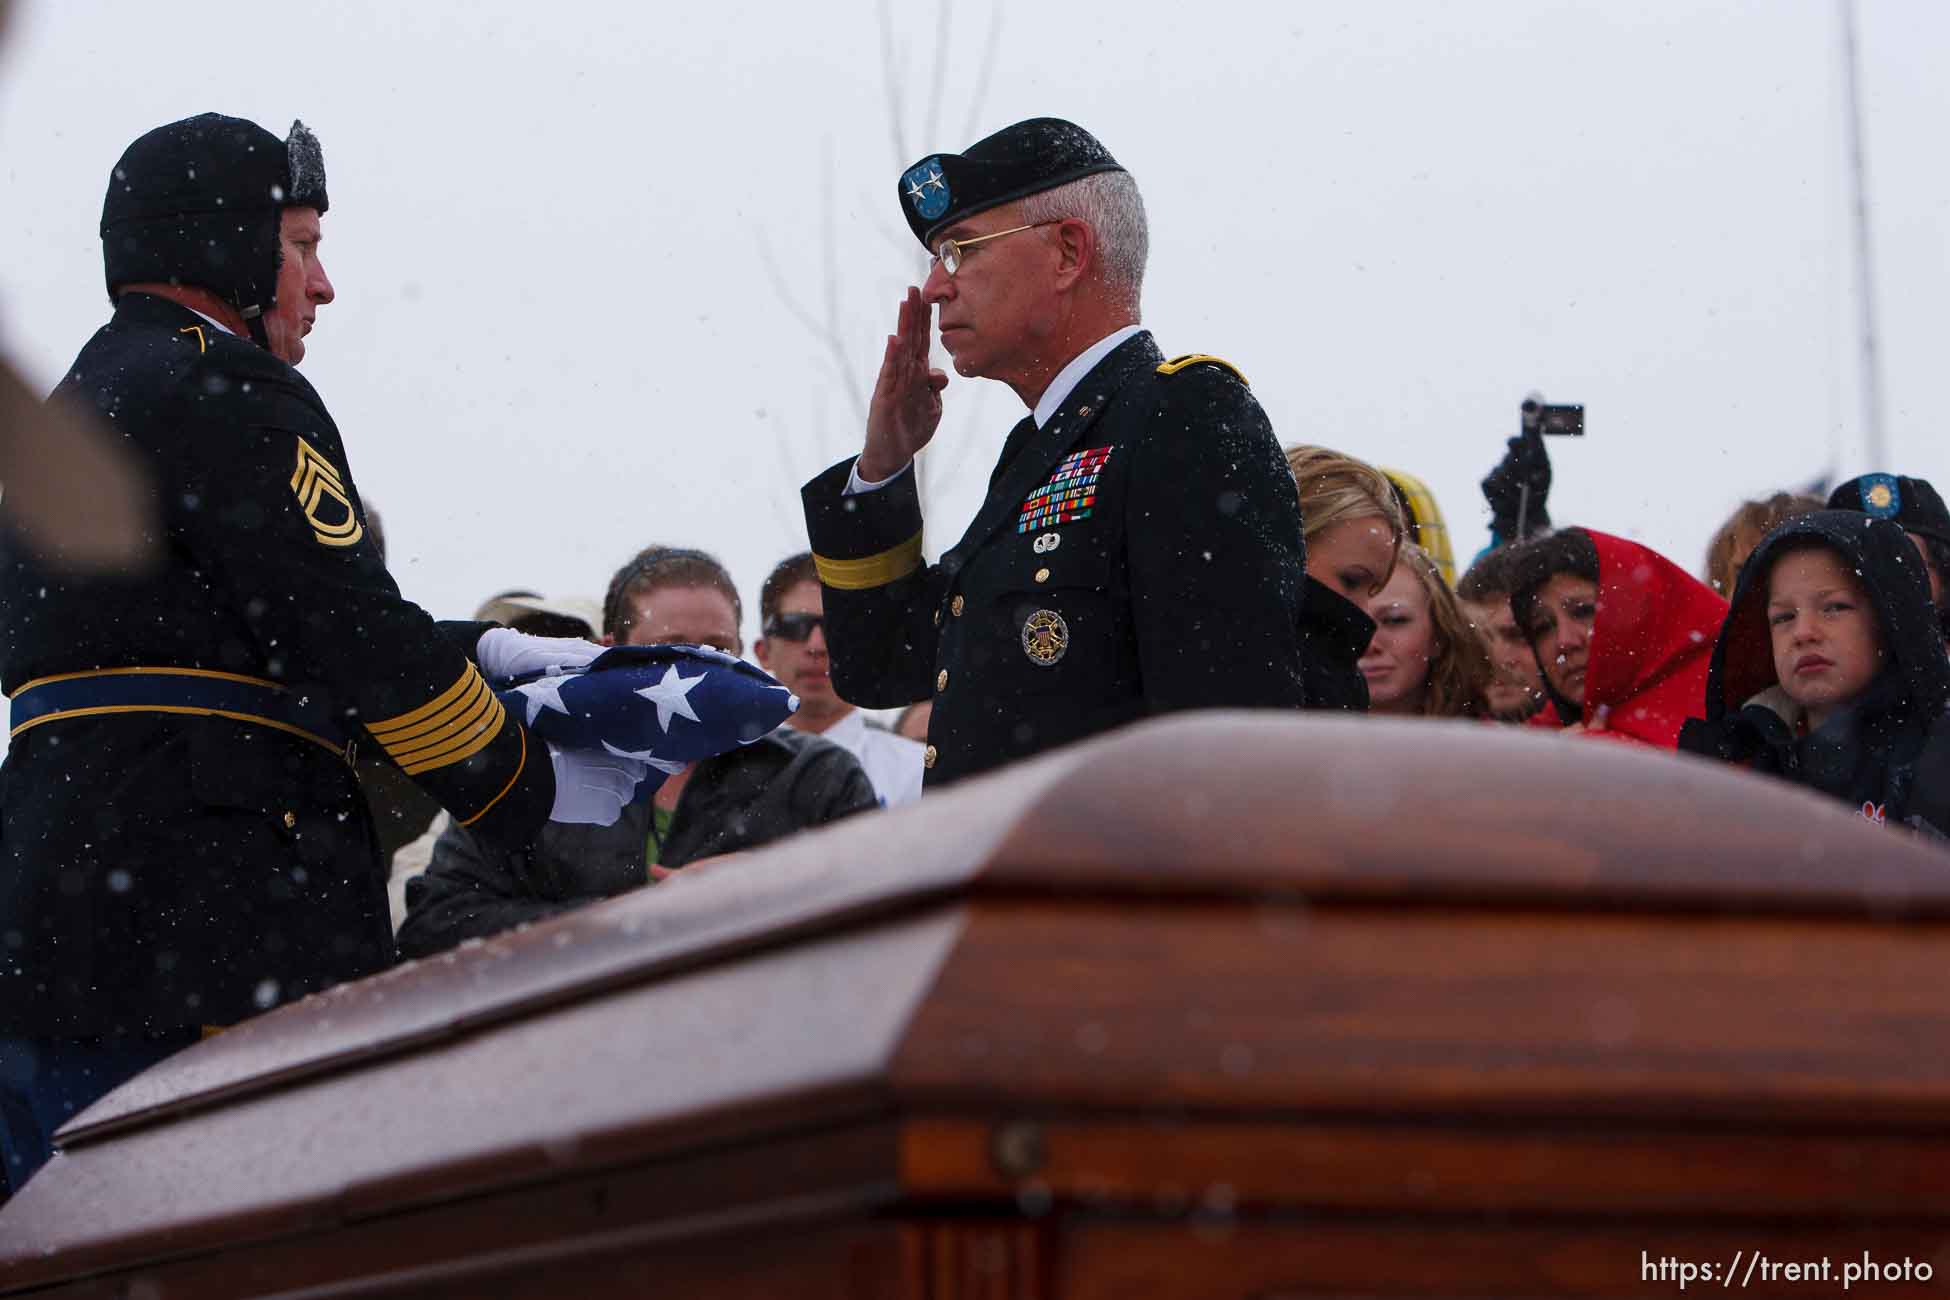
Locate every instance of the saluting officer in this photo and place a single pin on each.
(185, 841)
(1140, 547)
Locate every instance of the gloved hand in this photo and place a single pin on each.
(593, 788)
(1526, 465)
(503, 653)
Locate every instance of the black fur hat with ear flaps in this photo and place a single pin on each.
(198, 202)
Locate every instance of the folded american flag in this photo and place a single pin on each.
(667, 705)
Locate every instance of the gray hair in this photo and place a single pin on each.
(1109, 203)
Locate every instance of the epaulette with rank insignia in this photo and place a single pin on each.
(1190, 359)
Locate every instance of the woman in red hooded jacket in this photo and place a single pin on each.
(1624, 636)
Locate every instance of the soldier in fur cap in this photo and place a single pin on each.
(186, 843)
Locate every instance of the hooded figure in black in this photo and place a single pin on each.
(1884, 751)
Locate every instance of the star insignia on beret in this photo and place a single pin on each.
(925, 187)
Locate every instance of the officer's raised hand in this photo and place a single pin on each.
(906, 406)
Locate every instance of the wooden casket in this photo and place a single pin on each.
(1220, 1006)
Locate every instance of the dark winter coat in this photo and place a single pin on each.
(1334, 634)
(1138, 554)
(784, 782)
(168, 869)
(1887, 753)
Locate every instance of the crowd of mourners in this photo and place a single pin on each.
(1809, 646)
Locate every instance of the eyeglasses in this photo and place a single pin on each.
(794, 627)
(948, 252)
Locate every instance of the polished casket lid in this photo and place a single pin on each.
(776, 991)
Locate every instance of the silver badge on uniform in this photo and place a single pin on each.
(1046, 543)
(1045, 638)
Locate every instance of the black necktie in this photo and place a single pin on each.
(1012, 446)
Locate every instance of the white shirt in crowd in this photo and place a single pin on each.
(892, 763)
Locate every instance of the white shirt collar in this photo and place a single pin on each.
(1070, 376)
(217, 323)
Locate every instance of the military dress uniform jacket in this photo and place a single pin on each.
(165, 863)
(1140, 553)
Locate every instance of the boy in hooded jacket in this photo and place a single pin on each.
(1623, 635)
(1831, 673)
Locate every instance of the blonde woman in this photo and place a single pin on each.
(1353, 525)
(1425, 659)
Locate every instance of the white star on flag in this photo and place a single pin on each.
(543, 692)
(664, 765)
(668, 695)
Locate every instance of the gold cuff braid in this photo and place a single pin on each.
(872, 571)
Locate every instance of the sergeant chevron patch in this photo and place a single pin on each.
(314, 480)
(456, 724)
(1070, 493)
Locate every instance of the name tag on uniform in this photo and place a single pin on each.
(1070, 493)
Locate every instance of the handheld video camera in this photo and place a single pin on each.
(1539, 417)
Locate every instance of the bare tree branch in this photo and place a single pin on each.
(949, 457)
(828, 334)
(984, 72)
(943, 28)
(835, 332)
(891, 80)
(785, 496)
(786, 300)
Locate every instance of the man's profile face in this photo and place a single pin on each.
(1518, 684)
(996, 310)
(684, 616)
(803, 665)
(302, 285)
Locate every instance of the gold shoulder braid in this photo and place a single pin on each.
(1190, 359)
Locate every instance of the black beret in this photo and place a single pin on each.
(1016, 161)
(1911, 502)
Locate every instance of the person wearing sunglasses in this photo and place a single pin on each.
(1139, 550)
(793, 649)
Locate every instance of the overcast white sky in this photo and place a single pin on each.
(556, 340)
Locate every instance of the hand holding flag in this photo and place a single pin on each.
(661, 705)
